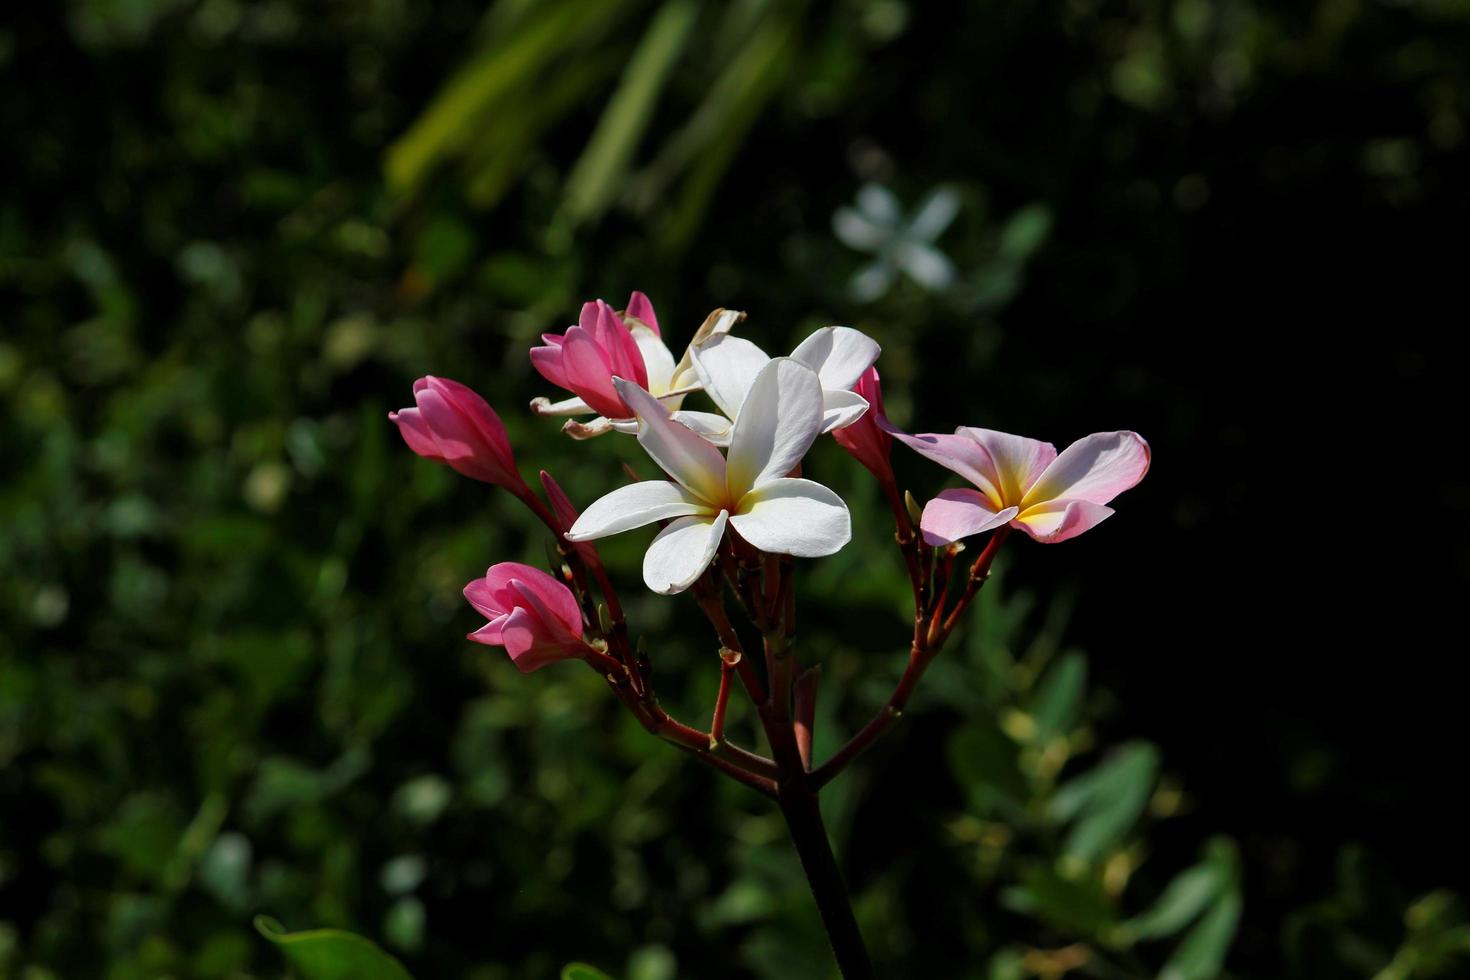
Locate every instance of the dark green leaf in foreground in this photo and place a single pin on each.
(581, 971)
(1188, 895)
(1202, 953)
(331, 954)
(1106, 801)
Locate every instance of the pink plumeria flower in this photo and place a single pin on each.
(451, 424)
(1025, 483)
(535, 617)
(727, 368)
(749, 489)
(604, 345)
(866, 440)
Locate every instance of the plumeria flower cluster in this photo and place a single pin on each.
(734, 512)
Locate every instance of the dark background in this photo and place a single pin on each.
(223, 575)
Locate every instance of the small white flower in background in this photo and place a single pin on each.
(727, 367)
(748, 489)
(877, 225)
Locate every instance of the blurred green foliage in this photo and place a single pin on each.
(231, 674)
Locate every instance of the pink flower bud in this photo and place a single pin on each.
(452, 424)
(566, 514)
(535, 617)
(866, 439)
(586, 358)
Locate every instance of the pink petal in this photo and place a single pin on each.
(1018, 460)
(498, 579)
(469, 435)
(960, 454)
(1096, 468)
(960, 513)
(864, 440)
(552, 594)
(527, 644)
(639, 308)
(482, 596)
(492, 634)
(477, 412)
(415, 432)
(623, 357)
(547, 362)
(1057, 520)
(589, 375)
(556, 608)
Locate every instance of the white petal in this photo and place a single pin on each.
(714, 429)
(681, 553)
(781, 417)
(791, 516)
(934, 214)
(841, 408)
(839, 355)
(925, 264)
(633, 506)
(871, 281)
(570, 406)
(727, 367)
(657, 359)
(858, 232)
(717, 324)
(690, 460)
(879, 204)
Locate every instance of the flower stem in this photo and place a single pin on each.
(804, 819)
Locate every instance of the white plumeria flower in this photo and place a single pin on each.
(877, 225)
(727, 367)
(749, 490)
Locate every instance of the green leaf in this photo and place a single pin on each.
(1059, 697)
(1107, 800)
(984, 762)
(581, 971)
(1202, 953)
(501, 73)
(652, 963)
(1025, 232)
(598, 173)
(1074, 905)
(1185, 898)
(705, 146)
(403, 925)
(331, 954)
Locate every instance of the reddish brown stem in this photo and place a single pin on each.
(755, 770)
(722, 701)
(927, 642)
(790, 746)
(806, 710)
(713, 607)
(979, 572)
